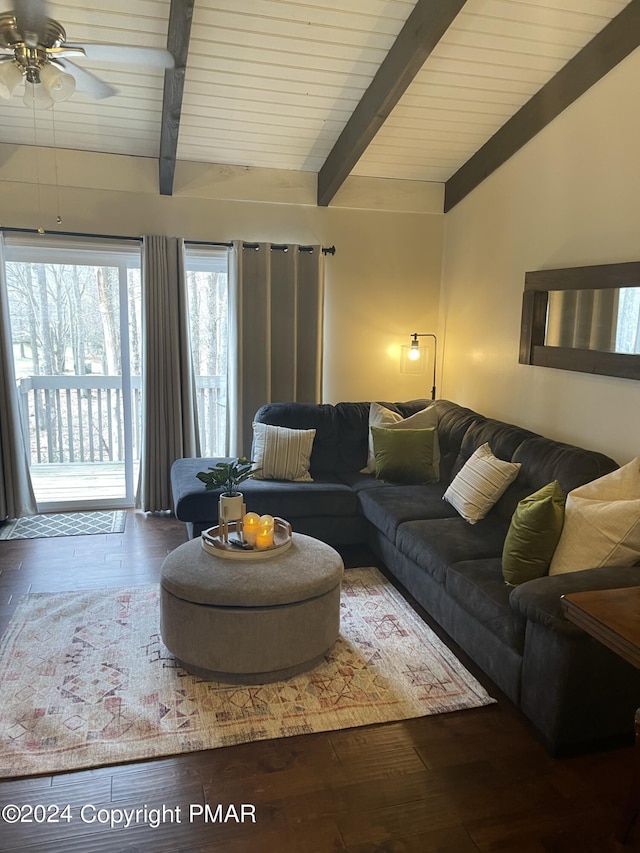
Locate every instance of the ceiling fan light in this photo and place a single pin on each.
(58, 84)
(35, 95)
(10, 79)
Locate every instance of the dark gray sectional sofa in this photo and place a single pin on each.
(571, 688)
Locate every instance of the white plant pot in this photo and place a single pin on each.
(230, 507)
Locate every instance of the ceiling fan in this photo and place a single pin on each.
(33, 48)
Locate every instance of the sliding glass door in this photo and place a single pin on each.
(75, 317)
(207, 289)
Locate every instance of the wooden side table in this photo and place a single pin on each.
(612, 616)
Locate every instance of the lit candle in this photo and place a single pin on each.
(264, 537)
(250, 526)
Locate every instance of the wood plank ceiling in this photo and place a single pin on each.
(495, 56)
(298, 85)
(129, 122)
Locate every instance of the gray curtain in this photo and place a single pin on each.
(276, 305)
(170, 419)
(16, 493)
(583, 319)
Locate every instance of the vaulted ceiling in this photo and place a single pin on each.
(433, 90)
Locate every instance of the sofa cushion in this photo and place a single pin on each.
(405, 456)
(540, 600)
(479, 484)
(453, 423)
(602, 523)
(380, 416)
(353, 430)
(280, 453)
(327, 496)
(504, 439)
(388, 506)
(533, 535)
(190, 499)
(359, 482)
(321, 417)
(479, 588)
(544, 460)
(437, 543)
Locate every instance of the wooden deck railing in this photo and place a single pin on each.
(81, 418)
(211, 397)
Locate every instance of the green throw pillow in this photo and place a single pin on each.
(405, 455)
(533, 534)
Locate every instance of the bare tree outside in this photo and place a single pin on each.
(65, 323)
(628, 330)
(208, 310)
(68, 352)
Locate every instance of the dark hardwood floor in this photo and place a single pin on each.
(454, 783)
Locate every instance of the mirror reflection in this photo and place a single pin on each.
(606, 320)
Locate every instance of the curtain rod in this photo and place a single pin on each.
(282, 247)
(207, 243)
(69, 234)
(105, 236)
(326, 250)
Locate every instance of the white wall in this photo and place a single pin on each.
(570, 197)
(381, 285)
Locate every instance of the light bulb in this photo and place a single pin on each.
(414, 351)
(58, 84)
(35, 95)
(10, 79)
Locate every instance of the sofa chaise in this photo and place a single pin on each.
(571, 688)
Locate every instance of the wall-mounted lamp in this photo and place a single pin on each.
(414, 358)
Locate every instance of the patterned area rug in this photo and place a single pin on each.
(85, 680)
(64, 524)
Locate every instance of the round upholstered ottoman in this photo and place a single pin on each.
(251, 621)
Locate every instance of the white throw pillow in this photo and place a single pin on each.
(281, 453)
(601, 523)
(480, 483)
(380, 416)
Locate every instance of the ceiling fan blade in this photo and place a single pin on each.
(86, 81)
(58, 52)
(126, 54)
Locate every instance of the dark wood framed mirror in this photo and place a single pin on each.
(583, 318)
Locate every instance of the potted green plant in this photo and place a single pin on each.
(228, 476)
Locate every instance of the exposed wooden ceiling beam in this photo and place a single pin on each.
(610, 46)
(180, 17)
(421, 32)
